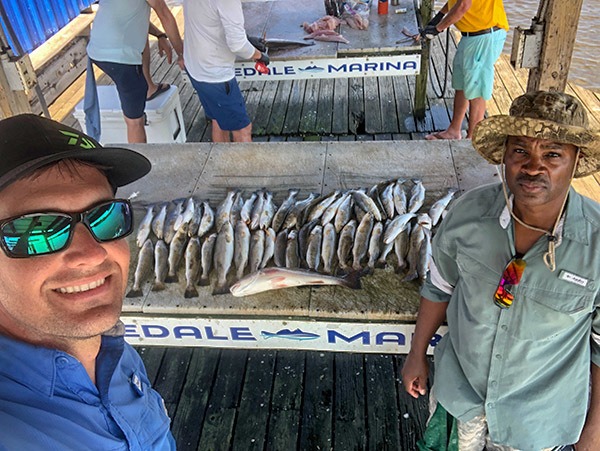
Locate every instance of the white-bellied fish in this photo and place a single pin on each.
(329, 247)
(145, 226)
(424, 256)
(283, 210)
(291, 250)
(194, 224)
(223, 257)
(317, 211)
(143, 268)
(345, 244)
(223, 214)
(417, 196)
(257, 249)
(257, 210)
(270, 236)
(395, 226)
(343, 213)
(387, 200)
(287, 334)
(303, 235)
(206, 256)
(246, 211)
(375, 243)
(241, 247)
(208, 219)
(313, 252)
(361, 241)
(366, 203)
(192, 267)
(401, 246)
(329, 213)
(236, 207)
(172, 215)
(268, 211)
(158, 223)
(400, 203)
(416, 240)
(278, 278)
(291, 220)
(187, 215)
(280, 248)
(435, 212)
(176, 251)
(161, 265)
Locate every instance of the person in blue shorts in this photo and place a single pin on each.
(483, 25)
(68, 379)
(214, 38)
(117, 41)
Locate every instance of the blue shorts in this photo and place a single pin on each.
(223, 102)
(473, 66)
(131, 86)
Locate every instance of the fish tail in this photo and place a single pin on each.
(158, 286)
(190, 292)
(134, 294)
(172, 278)
(412, 275)
(204, 281)
(380, 264)
(352, 279)
(223, 289)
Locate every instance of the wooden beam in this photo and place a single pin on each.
(560, 19)
(11, 102)
(421, 82)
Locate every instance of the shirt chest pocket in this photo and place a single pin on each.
(545, 313)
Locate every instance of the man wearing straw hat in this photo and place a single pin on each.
(515, 272)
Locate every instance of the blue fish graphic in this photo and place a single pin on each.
(290, 335)
(312, 68)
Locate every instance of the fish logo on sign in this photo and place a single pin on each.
(290, 335)
(312, 68)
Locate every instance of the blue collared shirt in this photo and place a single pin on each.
(48, 401)
(525, 368)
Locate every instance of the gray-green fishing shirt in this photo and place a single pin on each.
(525, 368)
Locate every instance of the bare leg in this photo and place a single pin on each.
(459, 111)
(136, 133)
(244, 135)
(476, 114)
(218, 135)
(152, 87)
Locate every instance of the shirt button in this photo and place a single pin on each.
(62, 361)
(499, 356)
(504, 327)
(493, 383)
(490, 405)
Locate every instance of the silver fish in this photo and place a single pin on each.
(343, 213)
(206, 257)
(224, 210)
(292, 218)
(172, 215)
(416, 239)
(161, 265)
(241, 248)
(192, 267)
(257, 249)
(283, 210)
(317, 211)
(187, 215)
(400, 202)
(329, 247)
(158, 223)
(268, 211)
(145, 226)
(246, 211)
(435, 212)
(208, 219)
(223, 256)
(270, 236)
(257, 210)
(401, 247)
(313, 253)
(396, 226)
(330, 212)
(303, 235)
(236, 208)
(176, 251)
(375, 194)
(277, 278)
(387, 200)
(424, 256)
(194, 224)
(366, 203)
(385, 249)
(291, 250)
(361, 241)
(345, 244)
(417, 196)
(375, 244)
(280, 248)
(143, 268)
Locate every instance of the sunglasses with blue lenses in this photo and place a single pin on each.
(44, 233)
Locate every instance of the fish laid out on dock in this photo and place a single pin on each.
(247, 245)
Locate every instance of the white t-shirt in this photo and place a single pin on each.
(214, 37)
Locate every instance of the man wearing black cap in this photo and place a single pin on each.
(67, 378)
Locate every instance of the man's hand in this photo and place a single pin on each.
(164, 47)
(258, 43)
(430, 31)
(264, 58)
(414, 375)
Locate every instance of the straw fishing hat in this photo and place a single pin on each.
(554, 116)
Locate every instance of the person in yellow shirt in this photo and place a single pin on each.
(483, 25)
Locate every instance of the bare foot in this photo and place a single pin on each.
(442, 135)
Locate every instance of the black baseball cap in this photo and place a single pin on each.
(28, 142)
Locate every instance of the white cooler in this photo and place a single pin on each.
(164, 119)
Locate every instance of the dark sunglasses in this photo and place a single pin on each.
(511, 276)
(48, 232)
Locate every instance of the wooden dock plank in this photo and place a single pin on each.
(349, 387)
(308, 118)
(262, 116)
(279, 107)
(356, 105)
(171, 376)
(373, 122)
(294, 111)
(340, 106)
(325, 107)
(387, 105)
